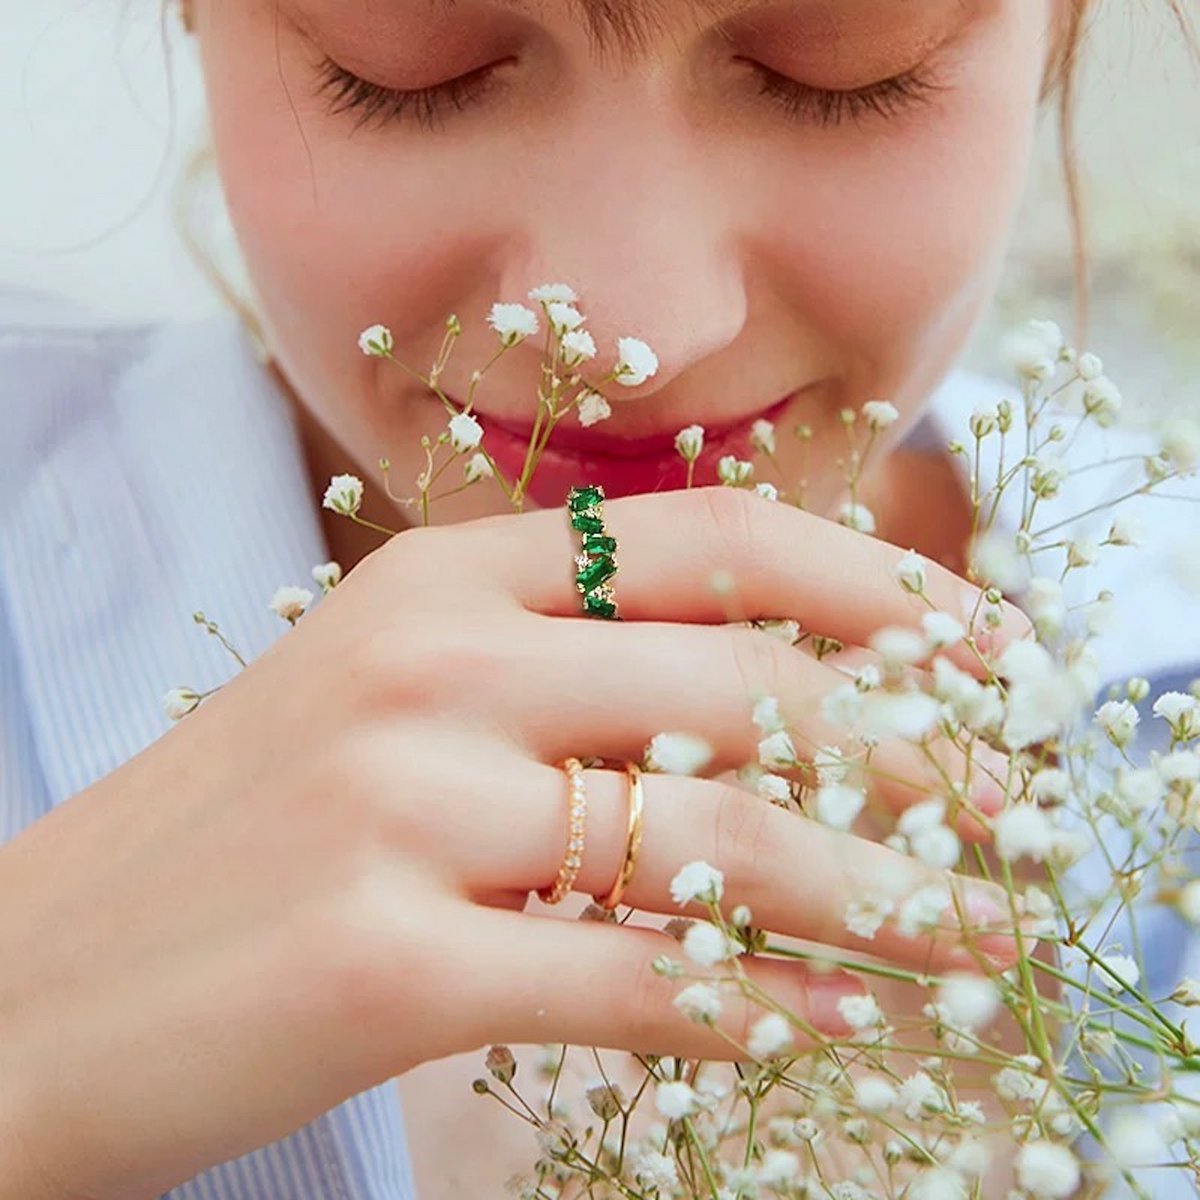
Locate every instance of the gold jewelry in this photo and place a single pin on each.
(576, 817)
(633, 838)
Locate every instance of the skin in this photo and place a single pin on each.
(755, 254)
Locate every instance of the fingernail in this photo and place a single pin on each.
(824, 995)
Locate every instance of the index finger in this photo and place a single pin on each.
(784, 562)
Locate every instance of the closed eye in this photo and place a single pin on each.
(370, 102)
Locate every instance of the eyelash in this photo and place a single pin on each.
(799, 102)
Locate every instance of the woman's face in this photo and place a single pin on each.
(762, 242)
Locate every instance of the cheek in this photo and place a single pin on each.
(338, 228)
(895, 246)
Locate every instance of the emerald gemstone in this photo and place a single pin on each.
(586, 524)
(596, 572)
(583, 498)
(597, 543)
(597, 606)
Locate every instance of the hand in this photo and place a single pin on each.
(311, 883)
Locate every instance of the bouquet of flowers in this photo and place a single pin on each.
(1069, 1053)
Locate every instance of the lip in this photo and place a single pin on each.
(622, 466)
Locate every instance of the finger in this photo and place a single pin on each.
(798, 877)
(603, 688)
(592, 983)
(784, 562)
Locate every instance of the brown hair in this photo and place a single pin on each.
(630, 22)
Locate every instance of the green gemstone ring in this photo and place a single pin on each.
(596, 563)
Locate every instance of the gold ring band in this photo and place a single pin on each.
(633, 838)
(576, 819)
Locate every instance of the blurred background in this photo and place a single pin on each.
(95, 132)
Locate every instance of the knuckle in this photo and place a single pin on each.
(745, 842)
(757, 663)
(646, 1001)
(734, 523)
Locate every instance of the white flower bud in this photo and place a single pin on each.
(636, 362)
(762, 436)
(178, 702)
(465, 432)
(376, 342)
(689, 441)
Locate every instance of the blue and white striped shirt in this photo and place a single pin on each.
(154, 470)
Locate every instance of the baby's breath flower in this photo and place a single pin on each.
(593, 407)
(941, 629)
(605, 1100)
(636, 362)
(779, 1170)
(775, 788)
(1188, 901)
(465, 432)
(1118, 719)
(777, 750)
(1047, 1170)
(376, 342)
(1126, 530)
(910, 571)
(970, 1001)
(1033, 350)
(984, 420)
(762, 435)
(678, 753)
(1050, 785)
(922, 910)
(865, 916)
(344, 495)
(707, 945)
(1089, 366)
(837, 805)
(770, 1035)
(675, 1100)
(290, 603)
(898, 646)
(937, 1183)
(879, 414)
(766, 714)
(1181, 442)
(1022, 830)
(767, 490)
(921, 1096)
(501, 1063)
(699, 1001)
(1102, 400)
(1122, 966)
(548, 293)
(1187, 992)
(857, 516)
(697, 881)
(477, 467)
(1181, 712)
(874, 1095)
(1082, 552)
(563, 317)
(937, 846)
(733, 471)
(689, 441)
(327, 575)
(577, 346)
(655, 1170)
(907, 715)
(860, 1011)
(178, 702)
(513, 322)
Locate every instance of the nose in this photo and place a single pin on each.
(647, 244)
